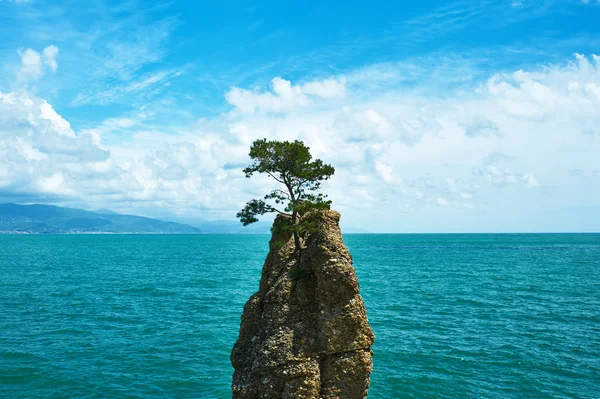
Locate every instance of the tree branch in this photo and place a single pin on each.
(278, 211)
(270, 174)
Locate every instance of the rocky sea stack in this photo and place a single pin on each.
(305, 333)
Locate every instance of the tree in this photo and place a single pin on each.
(289, 164)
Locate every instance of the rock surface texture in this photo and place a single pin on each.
(305, 333)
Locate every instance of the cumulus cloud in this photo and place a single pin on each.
(34, 64)
(396, 153)
(40, 153)
(502, 177)
(50, 54)
(442, 202)
(494, 172)
(284, 96)
(481, 127)
(327, 88)
(31, 64)
(42, 159)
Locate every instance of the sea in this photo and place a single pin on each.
(155, 316)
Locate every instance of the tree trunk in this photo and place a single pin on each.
(294, 214)
(295, 227)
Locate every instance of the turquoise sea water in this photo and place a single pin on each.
(456, 316)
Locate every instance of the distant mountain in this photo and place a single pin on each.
(50, 219)
(38, 219)
(105, 212)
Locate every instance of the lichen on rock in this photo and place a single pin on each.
(305, 333)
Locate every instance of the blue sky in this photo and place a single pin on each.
(439, 116)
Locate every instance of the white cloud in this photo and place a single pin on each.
(40, 155)
(283, 96)
(530, 180)
(33, 64)
(481, 127)
(503, 177)
(507, 147)
(384, 171)
(42, 158)
(442, 202)
(328, 88)
(50, 54)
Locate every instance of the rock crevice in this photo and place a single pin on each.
(305, 333)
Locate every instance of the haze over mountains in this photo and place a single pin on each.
(50, 219)
(223, 226)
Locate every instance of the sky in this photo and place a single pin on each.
(439, 116)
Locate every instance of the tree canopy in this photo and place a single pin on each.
(299, 178)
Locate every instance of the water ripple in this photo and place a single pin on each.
(456, 316)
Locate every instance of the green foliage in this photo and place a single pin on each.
(277, 245)
(297, 273)
(283, 227)
(299, 176)
(254, 207)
